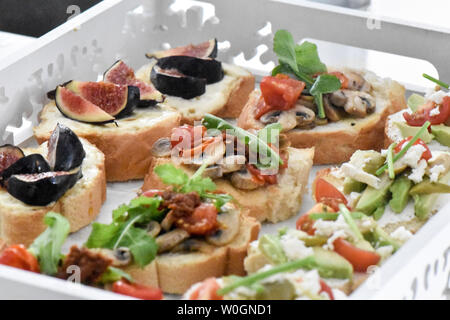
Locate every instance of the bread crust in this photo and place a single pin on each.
(21, 223)
(273, 203)
(127, 153)
(336, 145)
(176, 273)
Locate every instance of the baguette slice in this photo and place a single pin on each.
(224, 99)
(273, 203)
(177, 272)
(126, 145)
(337, 141)
(21, 223)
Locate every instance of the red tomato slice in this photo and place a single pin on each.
(359, 258)
(187, 133)
(280, 93)
(19, 257)
(202, 221)
(207, 290)
(137, 291)
(342, 78)
(261, 178)
(426, 154)
(418, 118)
(152, 193)
(306, 224)
(325, 288)
(327, 194)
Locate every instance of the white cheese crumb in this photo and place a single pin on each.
(418, 172)
(360, 175)
(295, 248)
(436, 171)
(385, 251)
(437, 96)
(401, 234)
(337, 234)
(435, 111)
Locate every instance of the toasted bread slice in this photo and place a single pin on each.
(225, 98)
(337, 141)
(273, 203)
(126, 145)
(21, 223)
(177, 272)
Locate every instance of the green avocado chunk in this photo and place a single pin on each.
(379, 238)
(351, 185)
(271, 247)
(277, 290)
(441, 134)
(410, 131)
(400, 193)
(423, 203)
(371, 199)
(332, 265)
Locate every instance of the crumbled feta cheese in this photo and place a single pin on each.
(401, 234)
(435, 111)
(337, 173)
(437, 96)
(295, 248)
(418, 172)
(385, 251)
(436, 171)
(327, 228)
(360, 175)
(390, 217)
(337, 234)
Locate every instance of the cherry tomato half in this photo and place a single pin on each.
(327, 194)
(423, 114)
(359, 258)
(137, 291)
(306, 224)
(18, 256)
(325, 288)
(426, 154)
(342, 78)
(207, 290)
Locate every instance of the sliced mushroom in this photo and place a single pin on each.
(357, 82)
(338, 98)
(168, 222)
(170, 240)
(304, 116)
(162, 148)
(214, 171)
(193, 245)
(153, 229)
(271, 117)
(359, 104)
(120, 257)
(287, 119)
(331, 112)
(232, 163)
(229, 224)
(244, 180)
(211, 155)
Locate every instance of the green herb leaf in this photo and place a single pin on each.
(47, 247)
(112, 275)
(284, 47)
(145, 207)
(171, 175)
(254, 143)
(219, 199)
(351, 223)
(308, 60)
(390, 161)
(325, 83)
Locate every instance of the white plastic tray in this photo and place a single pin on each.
(86, 45)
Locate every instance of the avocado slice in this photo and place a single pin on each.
(332, 265)
(423, 203)
(400, 193)
(371, 199)
(378, 213)
(352, 185)
(379, 238)
(368, 160)
(271, 247)
(441, 134)
(410, 131)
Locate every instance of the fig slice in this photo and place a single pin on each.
(41, 189)
(77, 108)
(178, 85)
(117, 100)
(206, 49)
(208, 69)
(9, 154)
(120, 73)
(65, 150)
(34, 163)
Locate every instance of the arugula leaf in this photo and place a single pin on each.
(171, 175)
(284, 47)
(47, 247)
(220, 199)
(308, 60)
(325, 83)
(122, 232)
(114, 274)
(254, 143)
